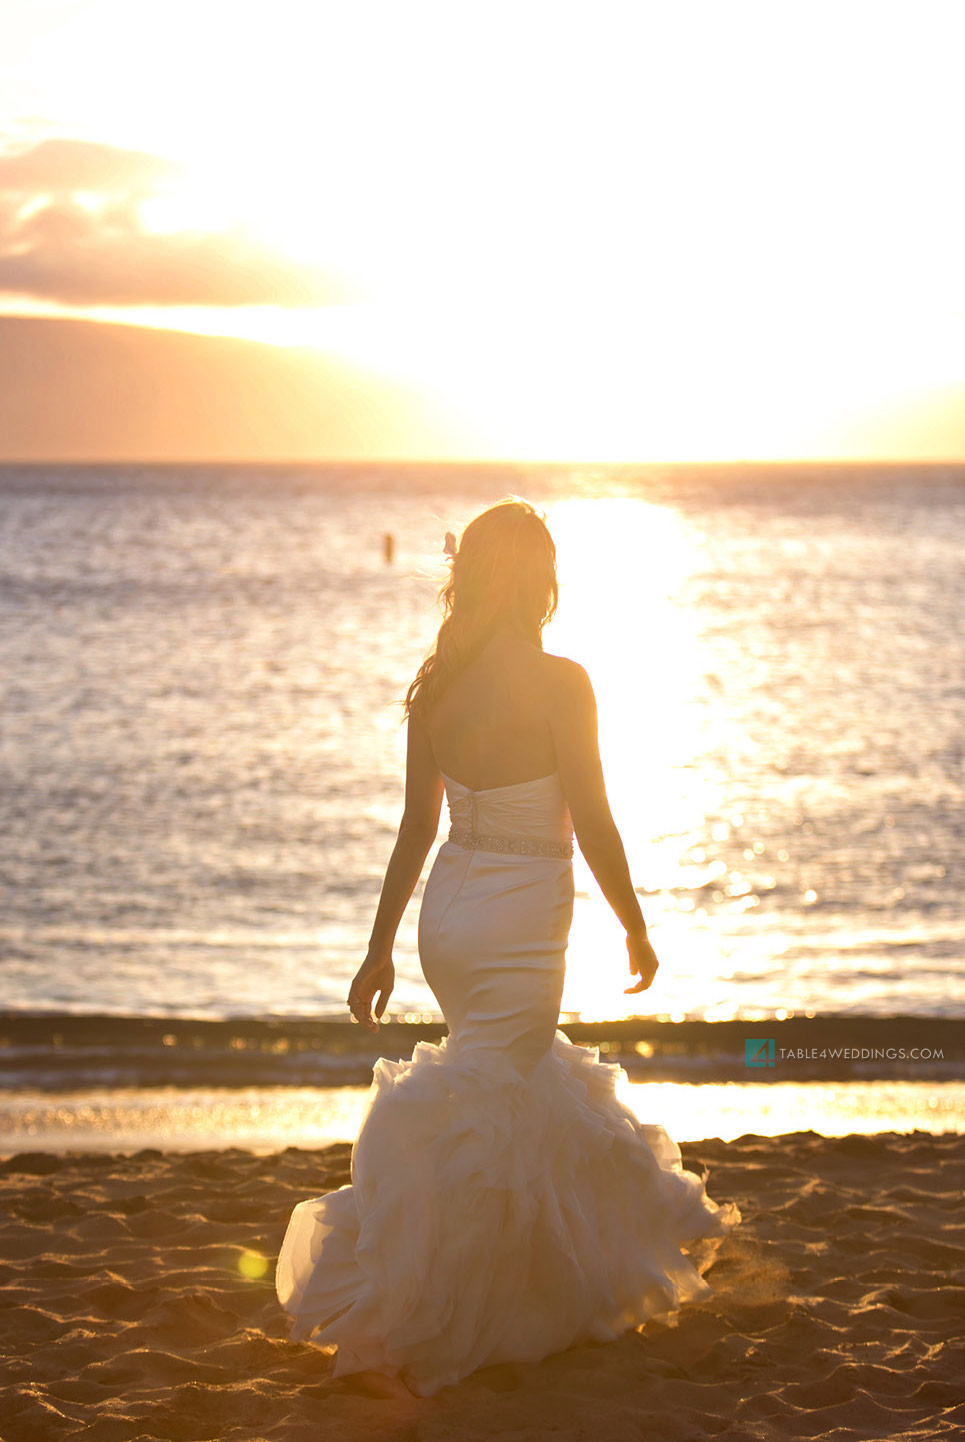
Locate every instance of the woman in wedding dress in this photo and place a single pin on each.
(504, 1203)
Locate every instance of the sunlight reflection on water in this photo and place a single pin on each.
(203, 756)
(271, 1118)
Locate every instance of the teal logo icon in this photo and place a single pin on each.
(758, 1052)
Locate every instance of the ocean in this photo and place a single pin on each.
(202, 743)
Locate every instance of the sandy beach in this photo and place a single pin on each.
(138, 1302)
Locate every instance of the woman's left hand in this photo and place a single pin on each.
(376, 974)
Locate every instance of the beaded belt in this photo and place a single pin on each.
(515, 845)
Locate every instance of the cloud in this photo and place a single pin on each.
(71, 231)
(62, 166)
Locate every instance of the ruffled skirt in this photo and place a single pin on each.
(494, 1217)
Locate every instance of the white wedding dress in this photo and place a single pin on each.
(504, 1203)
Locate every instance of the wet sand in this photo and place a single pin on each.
(138, 1302)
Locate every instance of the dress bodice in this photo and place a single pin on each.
(526, 812)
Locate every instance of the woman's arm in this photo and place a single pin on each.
(417, 832)
(573, 721)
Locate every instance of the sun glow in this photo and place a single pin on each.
(624, 565)
(620, 235)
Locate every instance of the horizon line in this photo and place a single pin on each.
(495, 463)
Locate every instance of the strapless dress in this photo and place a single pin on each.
(505, 1204)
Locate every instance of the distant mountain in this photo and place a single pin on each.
(76, 390)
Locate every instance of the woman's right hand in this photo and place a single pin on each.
(643, 961)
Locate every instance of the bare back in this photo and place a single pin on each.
(515, 714)
(491, 726)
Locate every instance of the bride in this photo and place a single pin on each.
(504, 1203)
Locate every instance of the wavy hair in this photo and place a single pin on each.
(504, 571)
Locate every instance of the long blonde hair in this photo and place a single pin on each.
(504, 571)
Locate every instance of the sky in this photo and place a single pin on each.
(584, 229)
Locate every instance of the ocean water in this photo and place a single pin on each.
(264, 1119)
(201, 759)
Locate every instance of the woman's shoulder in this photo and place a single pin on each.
(567, 679)
(564, 665)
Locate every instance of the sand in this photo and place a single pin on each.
(838, 1309)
